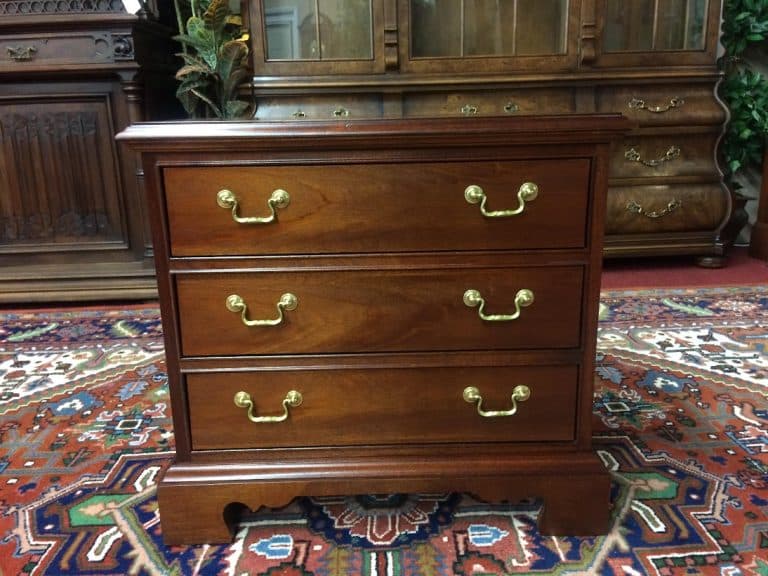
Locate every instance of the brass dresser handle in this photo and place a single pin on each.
(636, 208)
(227, 200)
(236, 304)
(639, 104)
(21, 53)
(510, 107)
(634, 156)
(291, 400)
(521, 393)
(528, 192)
(341, 112)
(469, 110)
(523, 299)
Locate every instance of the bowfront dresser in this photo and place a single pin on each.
(379, 306)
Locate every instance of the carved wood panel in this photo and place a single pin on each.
(31, 7)
(58, 176)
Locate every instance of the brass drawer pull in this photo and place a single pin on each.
(523, 299)
(639, 104)
(636, 208)
(21, 53)
(521, 393)
(291, 400)
(469, 110)
(511, 108)
(528, 192)
(227, 200)
(341, 112)
(299, 114)
(634, 156)
(236, 304)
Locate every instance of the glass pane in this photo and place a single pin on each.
(345, 29)
(646, 25)
(435, 31)
(681, 24)
(628, 25)
(541, 26)
(489, 27)
(291, 30)
(294, 31)
(455, 28)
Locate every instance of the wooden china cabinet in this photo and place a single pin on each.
(652, 60)
(72, 219)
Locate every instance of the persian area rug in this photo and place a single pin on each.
(681, 423)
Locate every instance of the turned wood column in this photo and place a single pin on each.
(758, 245)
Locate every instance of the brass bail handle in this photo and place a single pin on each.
(291, 400)
(520, 393)
(640, 104)
(229, 201)
(523, 299)
(21, 53)
(236, 304)
(528, 192)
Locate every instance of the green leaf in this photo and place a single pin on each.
(215, 109)
(192, 69)
(216, 15)
(231, 56)
(235, 109)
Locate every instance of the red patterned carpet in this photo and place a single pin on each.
(681, 422)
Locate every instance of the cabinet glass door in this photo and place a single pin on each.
(658, 32)
(643, 25)
(315, 36)
(456, 34)
(318, 29)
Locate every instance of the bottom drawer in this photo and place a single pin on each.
(665, 208)
(382, 406)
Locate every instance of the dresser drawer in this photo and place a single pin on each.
(641, 156)
(18, 52)
(382, 406)
(488, 103)
(316, 107)
(377, 208)
(666, 208)
(379, 311)
(663, 104)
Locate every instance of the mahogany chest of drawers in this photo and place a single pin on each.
(379, 307)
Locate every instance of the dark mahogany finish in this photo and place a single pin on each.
(381, 345)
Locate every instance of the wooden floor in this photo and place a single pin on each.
(682, 272)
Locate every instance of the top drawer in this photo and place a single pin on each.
(21, 51)
(662, 104)
(375, 208)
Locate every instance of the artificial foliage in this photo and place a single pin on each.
(744, 90)
(215, 51)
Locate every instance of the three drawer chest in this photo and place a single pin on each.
(379, 306)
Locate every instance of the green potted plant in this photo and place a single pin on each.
(215, 55)
(744, 90)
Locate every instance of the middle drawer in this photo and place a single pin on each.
(379, 311)
(376, 208)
